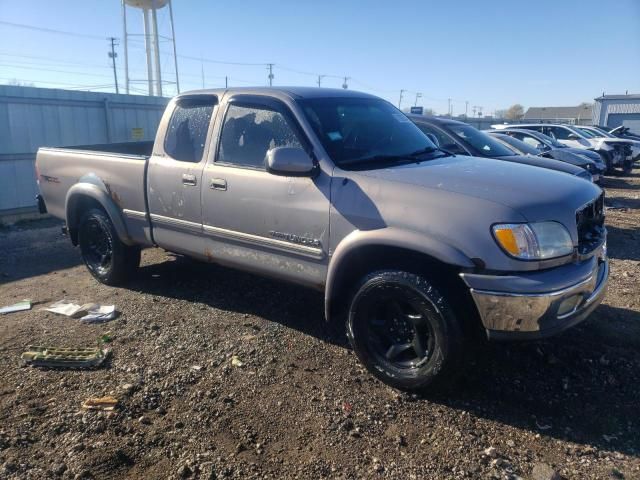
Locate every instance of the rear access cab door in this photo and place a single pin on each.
(256, 220)
(175, 171)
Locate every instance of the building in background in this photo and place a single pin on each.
(579, 115)
(34, 117)
(616, 110)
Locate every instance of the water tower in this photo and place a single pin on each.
(152, 38)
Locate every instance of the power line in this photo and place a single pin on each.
(55, 71)
(50, 30)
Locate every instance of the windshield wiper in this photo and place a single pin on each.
(379, 159)
(400, 158)
(432, 150)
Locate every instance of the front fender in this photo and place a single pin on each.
(92, 187)
(435, 248)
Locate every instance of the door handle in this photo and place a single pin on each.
(189, 180)
(218, 184)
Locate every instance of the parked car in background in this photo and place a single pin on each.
(620, 132)
(599, 133)
(463, 139)
(556, 150)
(521, 148)
(337, 190)
(614, 151)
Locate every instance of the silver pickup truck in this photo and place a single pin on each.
(337, 190)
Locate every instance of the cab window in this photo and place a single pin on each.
(187, 131)
(249, 133)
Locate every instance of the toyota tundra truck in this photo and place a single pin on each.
(414, 247)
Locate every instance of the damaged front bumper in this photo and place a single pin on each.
(539, 304)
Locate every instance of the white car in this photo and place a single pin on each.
(599, 133)
(614, 151)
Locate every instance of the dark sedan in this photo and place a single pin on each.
(463, 139)
(587, 159)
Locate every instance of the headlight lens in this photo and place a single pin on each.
(533, 241)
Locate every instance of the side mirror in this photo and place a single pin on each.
(573, 136)
(289, 162)
(433, 138)
(542, 147)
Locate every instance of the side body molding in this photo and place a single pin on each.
(388, 237)
(92, 187)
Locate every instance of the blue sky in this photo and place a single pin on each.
(491, 53)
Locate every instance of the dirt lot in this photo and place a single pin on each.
(300, 406)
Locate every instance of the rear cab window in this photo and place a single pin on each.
(186, 134)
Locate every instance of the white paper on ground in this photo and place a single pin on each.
(17, 307)
(89, 312)
(102, 313)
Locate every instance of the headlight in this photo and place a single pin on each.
(533, 241)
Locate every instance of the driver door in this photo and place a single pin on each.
(256, 220)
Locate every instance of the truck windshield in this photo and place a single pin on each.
(366, 131)
(490, 147)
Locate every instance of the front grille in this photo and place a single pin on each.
(590, 223)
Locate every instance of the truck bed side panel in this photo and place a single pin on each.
(121, 176)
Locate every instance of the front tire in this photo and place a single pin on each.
(404, 331)
(608, 162)
(627, 167)
(108, 259)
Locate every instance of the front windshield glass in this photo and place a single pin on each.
(550, 140)
(602, 133)
(362, 130)
(585, 132)
(490, 147)
(516, 144)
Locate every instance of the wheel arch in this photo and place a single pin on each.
(91, 191)
(363, 252)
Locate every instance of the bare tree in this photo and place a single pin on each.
(514, 112)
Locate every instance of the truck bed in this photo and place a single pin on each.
(117, 169)
(142, 149)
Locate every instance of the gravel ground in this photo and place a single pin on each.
(221, 374)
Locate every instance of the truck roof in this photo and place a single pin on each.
(293, 92)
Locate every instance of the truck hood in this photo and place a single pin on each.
(535, 193)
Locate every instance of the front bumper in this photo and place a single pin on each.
(513, 313)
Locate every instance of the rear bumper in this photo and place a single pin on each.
(519, 313)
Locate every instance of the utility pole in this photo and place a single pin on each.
(418, 95)
(270, 66)
(344, 85)
(400, 100)
(226, 81)
(202, 72)
(113, 55)
(466, 108)
(320, 77)
(450, 112)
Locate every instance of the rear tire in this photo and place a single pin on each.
(108, 259)
(404, 331)
(627, 167)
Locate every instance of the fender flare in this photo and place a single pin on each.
(421, 243)
(93, 187)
